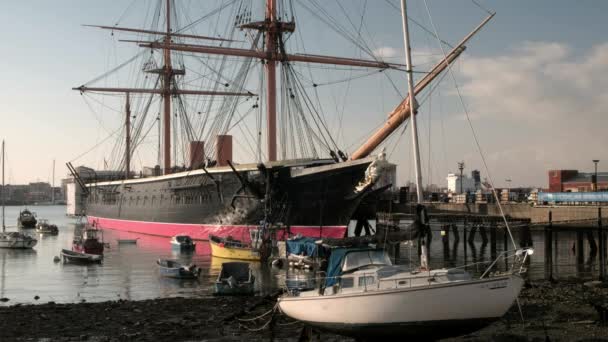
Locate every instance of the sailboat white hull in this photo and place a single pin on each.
(17, 243)
(462, 306)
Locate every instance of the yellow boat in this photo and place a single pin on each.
(232, 249)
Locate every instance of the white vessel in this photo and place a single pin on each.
(370, 297)
(12, 239)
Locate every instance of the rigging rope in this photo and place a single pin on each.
(477, 144)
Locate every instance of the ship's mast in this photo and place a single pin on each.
(166, 87)
(2, 194)
(273, 29)
(127, 137)
(412, 99)
(53, 185)
(271, 79)
(166, 90)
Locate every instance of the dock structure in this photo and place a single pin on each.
(391, 228)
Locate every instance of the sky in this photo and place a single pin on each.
(533, 83)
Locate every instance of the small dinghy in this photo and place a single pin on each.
(232, 249)
(77, 257)
(173, 269)
(44, 227)
(183, 242)
(235, 278)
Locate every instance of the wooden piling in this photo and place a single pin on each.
(579, 249)
(602, 242)
(493, 252)
(464, 234)
(455, 231)
(484, 234)
(549, 249)
(472, 234)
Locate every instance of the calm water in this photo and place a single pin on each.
(129, 271)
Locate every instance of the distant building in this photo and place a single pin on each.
(575, 181)
(20, 194)
(468, 184)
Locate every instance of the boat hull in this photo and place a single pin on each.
(26, 224)
(202, 231)
(315, 201)
(220, 251)
(82, 258)
(18, 244)
(417, 311)
(178, 272)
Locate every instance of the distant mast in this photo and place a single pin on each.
(53, 185)
(166, 85)
(413, 104)
(2, 194)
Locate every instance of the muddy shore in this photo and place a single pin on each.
(565, 311)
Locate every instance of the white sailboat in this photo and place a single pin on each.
(12, 239)
(365, 295)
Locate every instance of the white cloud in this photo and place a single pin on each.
(386, 52)
(544, 106)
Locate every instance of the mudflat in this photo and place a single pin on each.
(564, 311)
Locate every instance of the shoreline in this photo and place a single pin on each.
(562, 311)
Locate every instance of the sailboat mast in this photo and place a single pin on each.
(3, 188)
(271, 79)
(413, 103)
(127, 137)
(53, 185)
(166, 84)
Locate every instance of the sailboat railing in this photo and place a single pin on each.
(370, 279)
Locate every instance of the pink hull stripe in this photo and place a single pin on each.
(202, 231)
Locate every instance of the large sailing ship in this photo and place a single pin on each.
(312, 196)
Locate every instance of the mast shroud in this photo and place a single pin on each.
(3, 188)
(402, 111)
(412, 100)
(127, 138)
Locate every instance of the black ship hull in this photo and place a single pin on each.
(311, 197)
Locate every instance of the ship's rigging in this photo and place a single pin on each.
(211, 101)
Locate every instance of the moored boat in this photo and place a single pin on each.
(26, 219)
(77, 257)
(16, 240)
(365, 295)
(44, 227)
(87, 240)
(183, 242)
(235, 278)
(232, 249)
(173, 269)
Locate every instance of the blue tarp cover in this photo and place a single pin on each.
(302, 246)
(334, 265)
